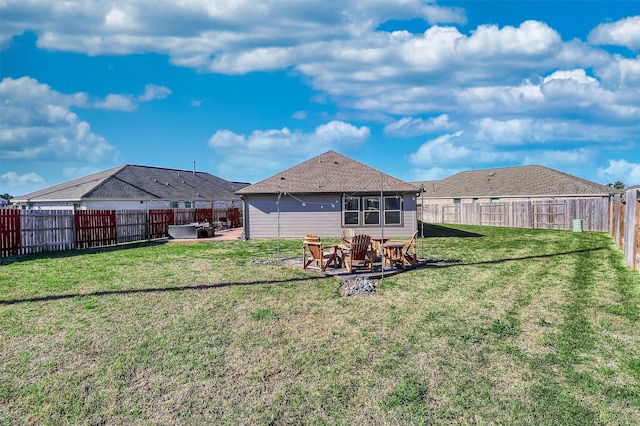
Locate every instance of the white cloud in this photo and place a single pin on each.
(432, 173)
(194, 31)
(14, 180)
(153, 92)
(300, 115)
(337, 131)
(502, 86)
(625, 32)
(458, 150)
(561, 159)
(262, 151)
(116, 102)
(38, 124)
(126, 102)
(443, 148)
(621, 170)
(409, 126)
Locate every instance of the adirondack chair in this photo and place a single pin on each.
(409, 254)
(347, 236)
(360, 253)
(322, 256)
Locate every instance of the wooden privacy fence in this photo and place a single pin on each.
(625, 225)
(550, 214)
(35, 231)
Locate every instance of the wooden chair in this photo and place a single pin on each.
(347, 236)
(409, 253)
(317, 253)
(360, 253)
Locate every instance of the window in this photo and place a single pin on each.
(173, 205)
(351, 210)
(371, 206)
(393, 210)
(365, 211)
(475, 200)
(495, 200)
(187, 204)
(456, 201)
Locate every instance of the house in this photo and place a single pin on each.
(131, 187)
(520, 183)
(325, 194)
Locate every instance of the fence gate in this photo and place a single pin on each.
(95, 228)
(10, 232)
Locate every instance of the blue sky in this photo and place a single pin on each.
(418, 89)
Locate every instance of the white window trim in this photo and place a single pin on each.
(362, 210)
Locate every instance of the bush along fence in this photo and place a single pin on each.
(589, 214)
(625, 225)
(35, 231)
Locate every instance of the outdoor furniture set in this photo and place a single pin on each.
(358, 251)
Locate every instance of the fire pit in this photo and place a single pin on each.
(358, 286)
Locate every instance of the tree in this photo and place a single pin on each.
(617, 185)
(6, 196)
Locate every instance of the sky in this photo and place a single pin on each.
(418, 89)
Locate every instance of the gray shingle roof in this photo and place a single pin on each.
(140, 183)
(520, 181)
(329, 173)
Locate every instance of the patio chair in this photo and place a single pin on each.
(322, 256)
(360, 253)
(410, 252)
(347, 236)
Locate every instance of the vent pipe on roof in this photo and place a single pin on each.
(194, 167)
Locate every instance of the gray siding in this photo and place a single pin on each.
(312, 214)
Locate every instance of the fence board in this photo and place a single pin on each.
(159, 221)
(95, 228)
(34, 231)
(204, 215)
(132, 225)
(548, 214)
(47, 230)
(630, 228)
(492, 214)
(636, 227)
(10, 232)
(184, 216)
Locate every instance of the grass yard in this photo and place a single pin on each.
(525, 327)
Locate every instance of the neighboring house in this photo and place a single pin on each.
(521, 183)
(325, 194)
(132, 187)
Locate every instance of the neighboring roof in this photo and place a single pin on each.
(520, 181)
(130, 182)
(329, 173)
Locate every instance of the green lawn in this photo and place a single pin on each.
(506, 326)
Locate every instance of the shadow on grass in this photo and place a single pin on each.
(435, 231)
(81, 252)
(155, 290)
(448, 263)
